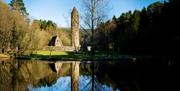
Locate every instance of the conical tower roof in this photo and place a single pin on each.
(74, 10)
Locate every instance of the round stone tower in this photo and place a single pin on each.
(75, 29)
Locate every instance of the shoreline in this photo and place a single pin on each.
(4, 56)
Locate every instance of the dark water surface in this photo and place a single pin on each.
(122, 75)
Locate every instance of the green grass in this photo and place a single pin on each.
(46, 55)
(4, 56)
(65, 55)
(39, 52)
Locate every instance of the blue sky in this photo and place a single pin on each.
(59, 10)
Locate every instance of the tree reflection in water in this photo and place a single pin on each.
(124, 75)
(23, 75)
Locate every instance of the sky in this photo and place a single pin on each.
(59, 10)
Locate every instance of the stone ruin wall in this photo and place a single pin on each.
(75, 45)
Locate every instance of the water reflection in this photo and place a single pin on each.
(124, 75)
(62, 84)
(17, 75)
(24, 75)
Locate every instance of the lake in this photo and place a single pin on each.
(108, 75)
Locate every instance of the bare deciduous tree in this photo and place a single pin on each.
(94, 13)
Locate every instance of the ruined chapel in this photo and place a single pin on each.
(75, 44)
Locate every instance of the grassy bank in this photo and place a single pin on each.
(64, 55)
(49, 53)
(4, 56)
(82, 56)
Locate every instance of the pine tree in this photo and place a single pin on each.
(19, 6)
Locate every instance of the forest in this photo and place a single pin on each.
(154, 30)
(18, 34)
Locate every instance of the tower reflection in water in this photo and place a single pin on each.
(23, 75)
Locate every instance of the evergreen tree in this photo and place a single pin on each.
(19, 6)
